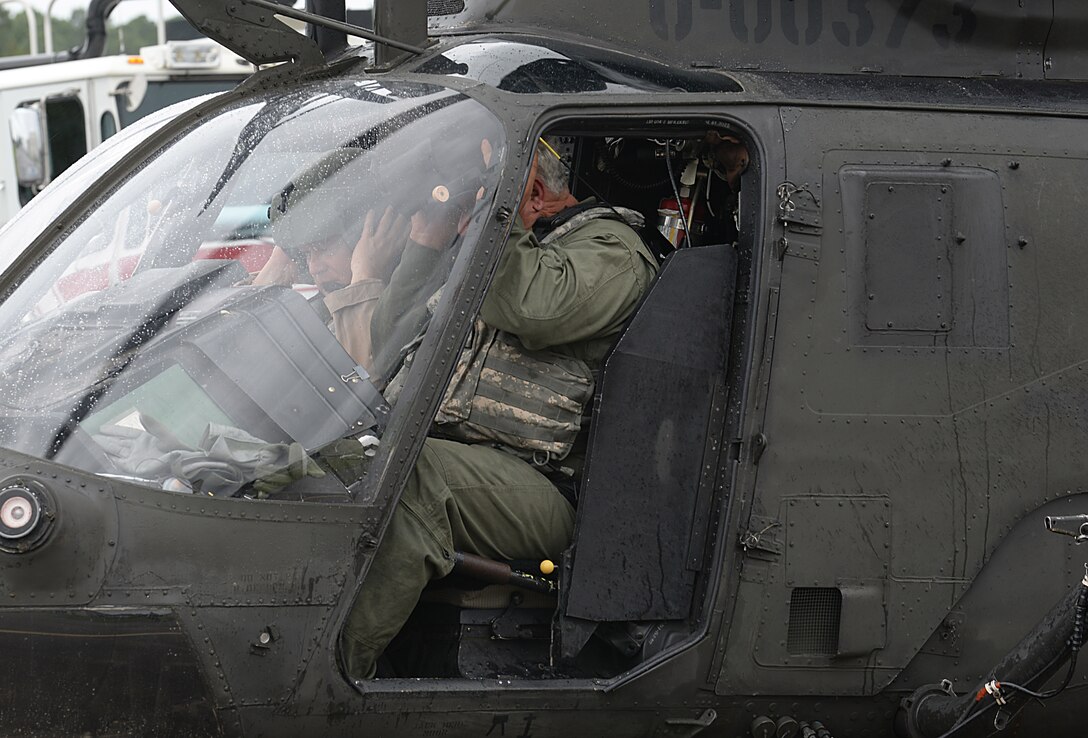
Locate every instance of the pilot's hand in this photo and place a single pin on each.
(379, 243)
(299, 465)
(279, 269)
(437, 225)
(729, 157)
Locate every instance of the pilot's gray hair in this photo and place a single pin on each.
(551, 170)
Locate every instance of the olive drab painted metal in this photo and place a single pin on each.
(253, 32)
(821, 451)
(942, 38)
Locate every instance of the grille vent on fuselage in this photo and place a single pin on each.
(815, 613)
(445, 7)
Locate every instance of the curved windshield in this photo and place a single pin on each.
(236, 317)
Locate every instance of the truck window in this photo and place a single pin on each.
(108, 125)
(66, 129)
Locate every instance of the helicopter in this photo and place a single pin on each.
(828, 454)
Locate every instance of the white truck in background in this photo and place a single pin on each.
(56, 111)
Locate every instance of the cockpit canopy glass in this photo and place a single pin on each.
(227, 320)
(534, 67)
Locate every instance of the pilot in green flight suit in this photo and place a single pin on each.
(571, 295)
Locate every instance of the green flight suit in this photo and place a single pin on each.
(572, 296)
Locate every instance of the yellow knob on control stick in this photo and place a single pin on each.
(546, 567)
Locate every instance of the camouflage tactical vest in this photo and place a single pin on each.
(529, 401)
(500, 392)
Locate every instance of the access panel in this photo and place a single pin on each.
(925, 249)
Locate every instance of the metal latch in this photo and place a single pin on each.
(264, 641)
(799, 209)
(687, 727)
(1068, 525)
(357, 374)
(761, 536)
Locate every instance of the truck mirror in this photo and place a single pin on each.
(27, 138)
(132, 92)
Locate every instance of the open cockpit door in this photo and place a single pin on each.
(645, 500)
